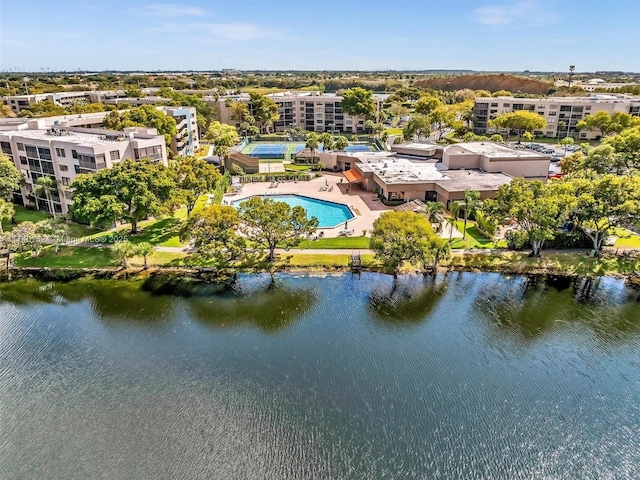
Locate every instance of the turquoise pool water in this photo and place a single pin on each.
(329, 214)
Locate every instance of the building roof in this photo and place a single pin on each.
(493, 150)
(461, 180)
(400, 170)
(83, 138)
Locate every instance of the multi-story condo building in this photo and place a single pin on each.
(313, 111)
(561, 113)
(185, 142)
(20, 102)
(64, 152)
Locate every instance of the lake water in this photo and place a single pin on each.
(463, 376)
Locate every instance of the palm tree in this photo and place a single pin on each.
(454, 210)
(144, 249)
(123, 251)
(433, 211)
(6, 211)
(312, 144)
(44, 187)
(470, 203)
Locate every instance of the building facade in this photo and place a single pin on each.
(561, 113)
(313, 111)
(62, 153)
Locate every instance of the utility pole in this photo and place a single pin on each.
(572, 68)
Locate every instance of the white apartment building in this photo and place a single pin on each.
(594, 84)
(20, 102)
(313, 111)
(64, 152)
(185, 142)
(561, 113)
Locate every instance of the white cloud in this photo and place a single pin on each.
(168, 10)
(521, 14)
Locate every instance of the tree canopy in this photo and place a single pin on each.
(538, 209)
(607, 124)
(194, 177)
(265, 110)
(400, 237)
(358, 101)
(142, 116)
(10, 177)
(223, 137)
(130, 191)
(520, 121)
(214, 232)
(427, 104)
(269, 223)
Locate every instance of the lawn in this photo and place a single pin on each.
(297, 168)
(22, 214)
(394, 131)
(474, 238)
(261, 90)
(338, 242)
(70, 257)
(626, 239)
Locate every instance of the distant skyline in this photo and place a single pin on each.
(535, 35)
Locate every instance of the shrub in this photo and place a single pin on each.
(485, 226)
(564, 240)
(236, 170)
(516, 239)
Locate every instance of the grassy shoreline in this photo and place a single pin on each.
(101, 261)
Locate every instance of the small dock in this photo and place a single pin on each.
(356, 262)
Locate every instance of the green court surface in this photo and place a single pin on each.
(288, 150)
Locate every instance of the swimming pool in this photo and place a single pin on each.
(329, 214)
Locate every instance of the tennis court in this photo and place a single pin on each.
(288, 150)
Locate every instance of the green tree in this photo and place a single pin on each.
(124, 251)
(269, 224)
(214, 232)
(144, 249)
(454, 211)
(327, 141)
(502, 93)
(433, 212)
(223, 137)
(496, 137)
(572, 163)
(606, 124)
(399, 237)
(341, 143)
(604, 203)
(312, 143)
(25, 237)
(627, 146)
(469, 205)
(604, 159)
(10, 177)
(528, 137)
(565, 142)
(427, 104)
(6, 212)
(265, 110)
(55, 230)
(368, 126)
(418, 126)
(441, 119)
(130, 191)
(358, 101)
(87, 108)
(537, 209)
(520, 121)
(142, 116)
(195, 177)
(45, 187)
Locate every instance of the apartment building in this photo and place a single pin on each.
(313, 111)
(561, 113)
(185, 142)
(20, 102)
(64, 152)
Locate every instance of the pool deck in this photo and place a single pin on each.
(362, 205)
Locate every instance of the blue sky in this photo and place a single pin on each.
(320, 35)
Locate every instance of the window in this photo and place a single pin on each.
(506, 104)
(115, 155)
(21, 147)
(60, 152)
(587, 107)
(583, 135)
(63, 168)
(553, 114)
(66, 181)
(553, 107)
(23, 160)
(74, 154)
(494, 104)
(549, 133)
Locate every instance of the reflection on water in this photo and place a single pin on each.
(406, 299)
(456, 376)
